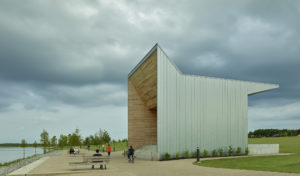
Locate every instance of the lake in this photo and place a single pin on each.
(8, 154)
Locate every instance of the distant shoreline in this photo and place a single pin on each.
(16, 145)
(2, 146)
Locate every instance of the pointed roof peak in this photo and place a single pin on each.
(154, 48)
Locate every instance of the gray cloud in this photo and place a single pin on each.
(4, 106)
(268, 115)
(56, 54)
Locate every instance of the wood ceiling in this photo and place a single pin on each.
(144, 79)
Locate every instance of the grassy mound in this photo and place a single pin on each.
(290, 163)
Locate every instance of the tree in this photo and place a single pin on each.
(75, 138)
(96, 139)
(63, 141)
(100, 137)
(92, 139)
(273, 133)
(105, 137)
(35, 145)
(53, 141)
(100, 133)
(45, 140)
(283, 134)
(23, 145)
(69, 137)
(87, 141)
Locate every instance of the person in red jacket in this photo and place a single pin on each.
(108, 149)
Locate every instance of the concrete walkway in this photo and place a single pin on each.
(119, 166)
(26, 169)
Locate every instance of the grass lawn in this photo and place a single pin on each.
(289, 163)
(286, 144)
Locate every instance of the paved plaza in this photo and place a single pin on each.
(119, 166)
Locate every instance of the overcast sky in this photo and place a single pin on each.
(64, 64)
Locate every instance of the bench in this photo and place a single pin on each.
(92, 160)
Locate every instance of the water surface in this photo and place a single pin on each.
(8, 154)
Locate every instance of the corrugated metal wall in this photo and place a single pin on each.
(197, 111)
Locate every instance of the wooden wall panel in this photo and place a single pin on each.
(142, 122)
(144, 79)
(142, 103)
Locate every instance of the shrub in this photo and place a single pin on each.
(167, 156)
(205, 153)
(221, 152)
(186, 154)
(214, 153)
(246, 151)
(195, 153)
(177, 155)
(238, 151)
(225, 154)
(230, 151)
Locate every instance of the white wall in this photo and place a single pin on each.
(198, 111)
(259, 149)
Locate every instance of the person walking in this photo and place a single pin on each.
(130, 154)
(108, 149)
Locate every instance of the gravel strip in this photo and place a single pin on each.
(8, 169)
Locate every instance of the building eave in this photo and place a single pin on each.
(143, 60)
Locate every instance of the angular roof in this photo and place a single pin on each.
(253, 87)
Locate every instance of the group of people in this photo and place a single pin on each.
(74, 150)
(108, 149)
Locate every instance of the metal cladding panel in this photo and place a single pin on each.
(197, 111)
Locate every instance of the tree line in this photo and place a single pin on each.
(273, 133)
(73, 139)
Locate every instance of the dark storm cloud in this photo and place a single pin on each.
(4, 106)
(56, 54)
(57, 49)
(49, 42)
(98, 42)
(50, 98)
(248, 42)
(87, 96)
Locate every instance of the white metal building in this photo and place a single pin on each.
(172, 112)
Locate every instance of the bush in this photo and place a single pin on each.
(195, 153)
(205, 153)
(186, 154)
(246, 151)
(238, 151)
(177, 155)
(230, 150)
(214, 153)
(221, 152)
(167, 156)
